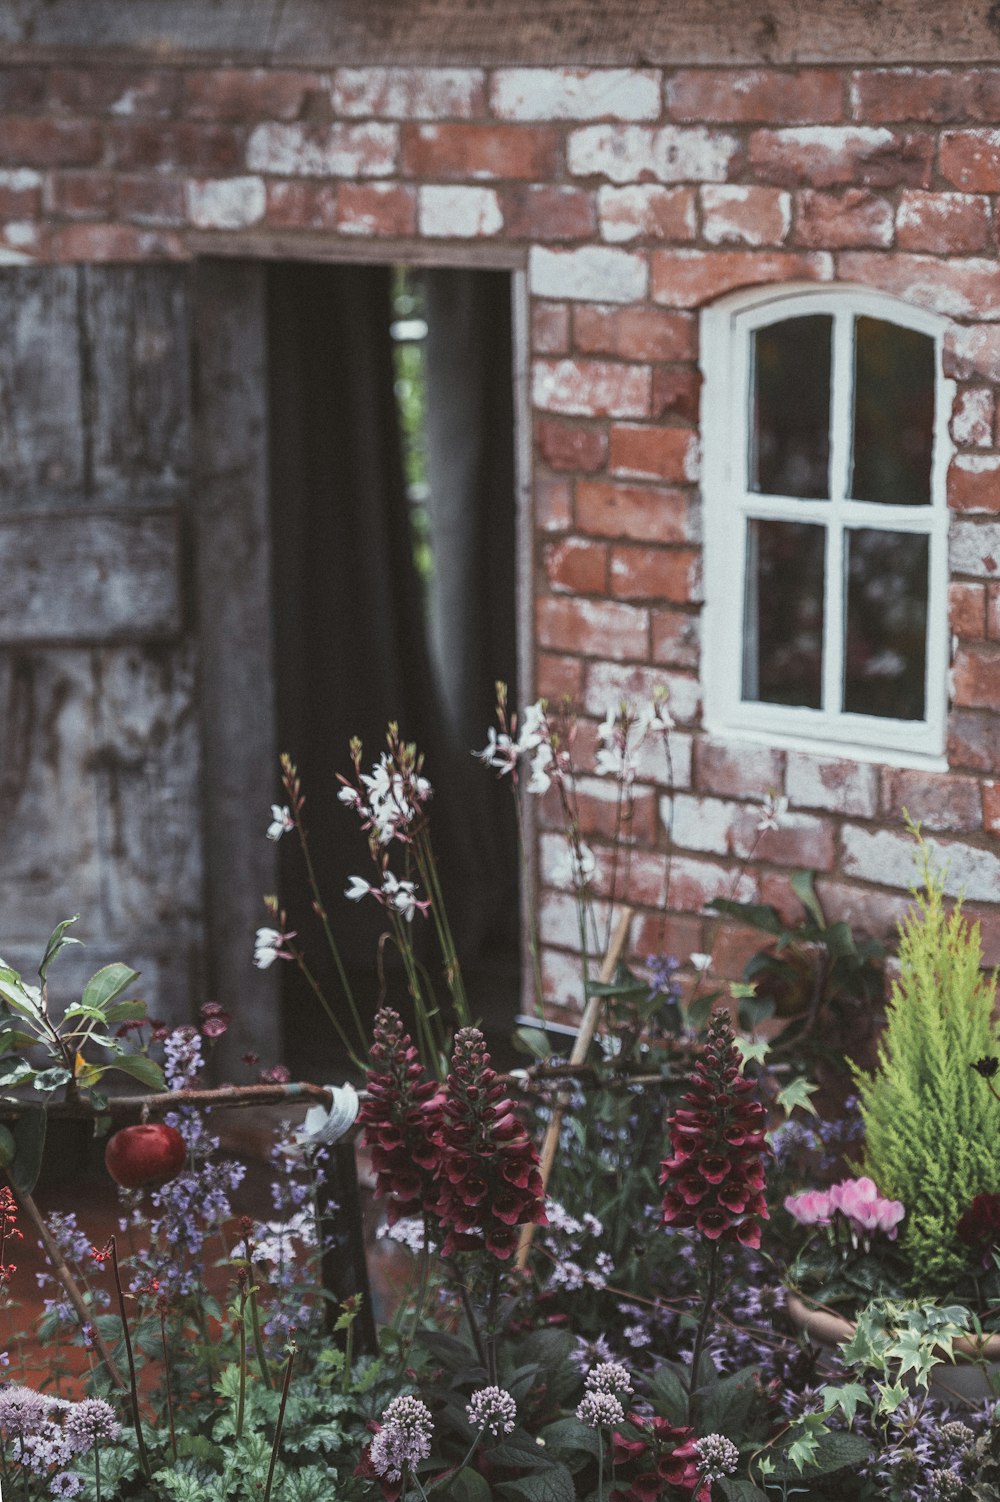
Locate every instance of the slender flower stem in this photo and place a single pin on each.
(317, 991)
(258, 1338)
(427, 868)
(242, 1400)
(600, 1466)
(286, 1383)
(321, 913)
(133, 1382)
(702, 1332)
(167, 1384)
(492, 1324)
(97, 1471)
(534, 946)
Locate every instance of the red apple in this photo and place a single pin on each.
(140, 1155)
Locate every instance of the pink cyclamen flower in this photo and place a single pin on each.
(810, 1208)
(857, 1200)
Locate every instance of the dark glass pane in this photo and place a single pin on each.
(886, 629)
(790, 428)
(783, 618)
(893, 414)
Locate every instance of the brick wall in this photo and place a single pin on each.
(633, 197)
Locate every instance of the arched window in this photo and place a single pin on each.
(826, 527)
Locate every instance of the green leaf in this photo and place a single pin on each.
(14, 1072)
(142, 1069)
(846, 1398)
(570, 1434)
(51, 1079)
(29, 1135)
(827, 1453)
(840, 942)
(518, 1450)
(738, 1489)
(756, 1049)
(754, 914)
(108, 983)
(726, 1406)
(125, 1011)
(699, 1011)
(57, 941)
(669, 1395)
(795, 1095)
(533, 1041)
(801, 883)
(552, 1485)
(469, 1486)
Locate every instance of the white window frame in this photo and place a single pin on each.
(729, 506)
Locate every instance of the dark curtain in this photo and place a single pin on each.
(352, 646)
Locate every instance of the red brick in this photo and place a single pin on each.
(733, 946)
(550, 327)
(970, 159)
(688, 278)
(694, 883)
(648, 573)
(824, 156)
(974, 740)
(834, 220)
(150, 200)
(450, 152)
(115, 242)
(135, 145)
(547, 211)
(975, 677)
(553, 503)
(641, 452)
(676, 641)
(974, 482)
(972, 417)
(646, 211)
(302, 205)
(667, 933)
(97, 90)
(246, 94)
(376, 209)
(22, 89)
(950, 223)
(972, 354)
(593, 628)
(733, 95)
(634, 333)
(988, 919)
(577, 566)
(20, 193)
(571, 445)
(33, 141)
(80, 195)
(591, 388)
(558, 678)
(639, 513)
(744, 216)
(991, 807)
(992, 612)
(937, 800)
(967, 610)
(926, 95)
(677, 392)
(598, 812)
(959, 287)
(738, 771)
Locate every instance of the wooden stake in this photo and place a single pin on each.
(588, 1026)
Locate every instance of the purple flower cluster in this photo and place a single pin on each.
(43, 1434)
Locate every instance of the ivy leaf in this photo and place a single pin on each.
(795, 1095)
(846, 1398)
(756, 1049)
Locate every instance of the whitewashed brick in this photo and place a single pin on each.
(890, 859)
(591, 387)
(592, 274)
(704, 824)
(666, 765)
(562, 982)
(575, 94)
(407, 93)
(459, 213)
(671, 154)
(646, 211)
(334, 151)
(842, 787)
(20, 179)
(974, 550)
(226, 203)
(607, 684)
(972, 417)
(735, 215)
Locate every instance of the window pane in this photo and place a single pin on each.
(886, 629)
(790, 428)
(893, 414)
(783, 617)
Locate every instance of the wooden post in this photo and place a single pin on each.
(584, 1037)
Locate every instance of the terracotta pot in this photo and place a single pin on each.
(965, 1377)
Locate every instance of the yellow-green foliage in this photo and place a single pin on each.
(932, 1127)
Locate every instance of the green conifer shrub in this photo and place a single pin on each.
(932, 1129)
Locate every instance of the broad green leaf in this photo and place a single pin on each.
(533, 1041)
(108, 983)
(801, 883)
(29, 1135)
(738, 1489)
(125, 1011)
(25, 1000)
(14, 1072)
(552, 1485)
(519, 1450)
(726, 1405)
(795, 1095)
(754, 914)
(57, 941)
(669, 1395)
(570, 1434)
(469, 1486)
(51, 1079)
(142, 1069)
(79, 1010)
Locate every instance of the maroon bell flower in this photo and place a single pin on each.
(401, 1117)
(715, 1178)
(489, 1182)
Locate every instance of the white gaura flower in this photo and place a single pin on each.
(540, 780)
(772, 813)
(653, 718)
(402, 895)
(532, 729)
(281, 821)
(607, 730)
(578, 867)
(359, 888)
(270, 944)
(700, 962)
(500, 752)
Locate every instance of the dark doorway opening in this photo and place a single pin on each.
(394, 547)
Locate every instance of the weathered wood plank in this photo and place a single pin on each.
(42, 450)
(135, 326)
(233, 592)
(49, 848)
(328, 32)
(89, 578)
